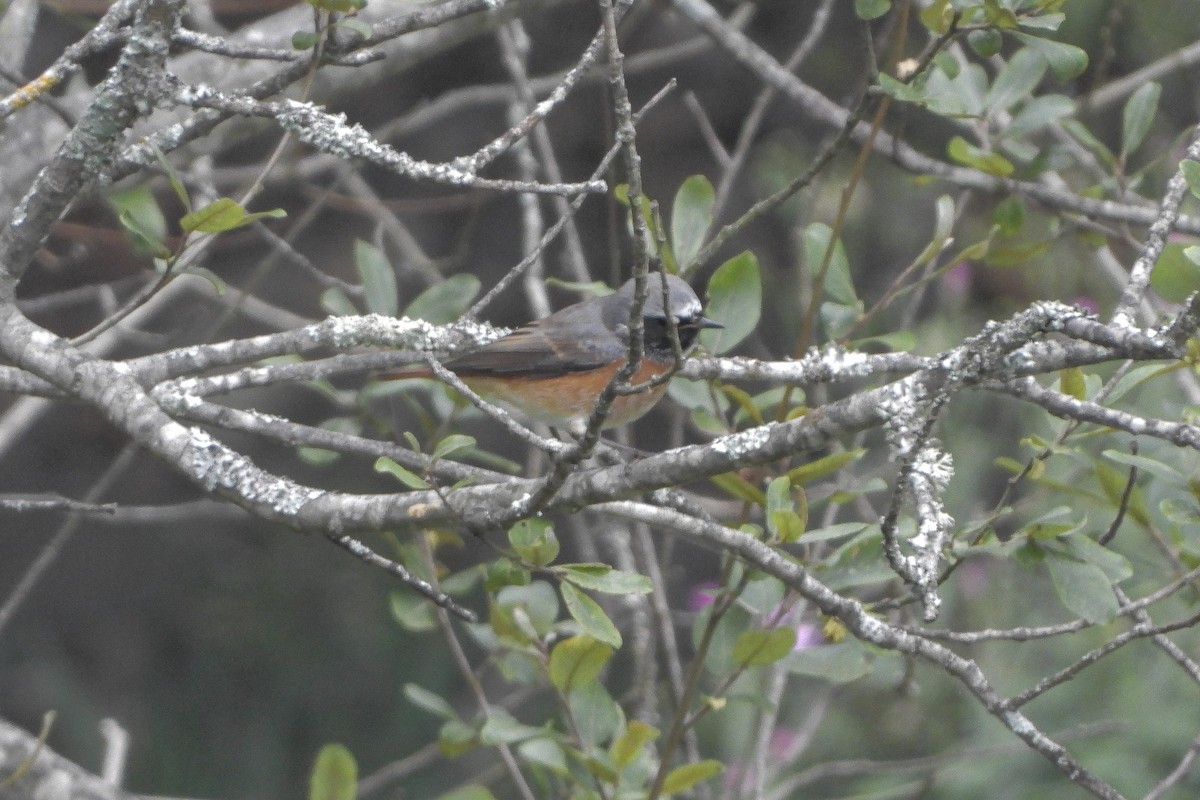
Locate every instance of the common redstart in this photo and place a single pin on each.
(553, 369)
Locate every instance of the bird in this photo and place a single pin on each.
(553, 369)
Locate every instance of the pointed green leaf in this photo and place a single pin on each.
(577, 662)
(734, 300)
(452, 444)
(1138, 116)
(446, 301)
(603, 578)
(737, 486)
(428, 701)
(685, 777)
(758, 648)
(967, 154)
(502, 727)
(1016, 80)
(1038, 113)
(839, 285)
(405, 476)
(626, 747)
(334, 775)
(1066, 60)
(223, 214)
(378, 278)
(335, 302)
(590, 616)
(691, 217)
(545, 753)
(823, 466)
(1071, 382)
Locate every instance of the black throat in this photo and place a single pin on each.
(657, 337)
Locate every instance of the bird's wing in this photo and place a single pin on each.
(536, 350)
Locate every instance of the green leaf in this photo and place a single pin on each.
(1138, 116)
(1191, 174)
(1115, 566)
(534, 541)
(737, 486)
(144, 241)
(502, 727)
(782, 519)
(407, 477)
(1083, 588)
(1175, 275)
(943, 228)
(336, 303)
(603, 578)
(446, 301)
(452, 444)
(223, 214)
(839, 286)
(505, 572)
(577, 662)
(456, 738)
(1038, 113)
(838, 663)
(758, 648)
(685, 777)
(986, 43)
(590, 616)
(378, 278)
(871, 9)
(172, 177)
(597, 716)
(412, 611)
(544, 752)
(537, 603)
(428, 701)
(1070, 381)
(1166, 472)
(334, 775)
(967, 154)
(1009, 215)
(823, 466)
(628, 746)
(938, 16)
(304, 40)
(1066, 60)
(734, 300)
(472, 792)
(1084, 136)
(691, 217)
(143, 220)
(1016, 80)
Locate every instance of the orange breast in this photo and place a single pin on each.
(561, 399)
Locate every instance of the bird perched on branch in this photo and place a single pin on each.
(554, 369)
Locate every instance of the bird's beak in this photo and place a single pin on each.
(705, 322)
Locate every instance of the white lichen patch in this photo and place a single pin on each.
(403, 333)
(739, 444)
(215, 466)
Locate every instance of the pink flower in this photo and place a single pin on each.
(702, 595)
